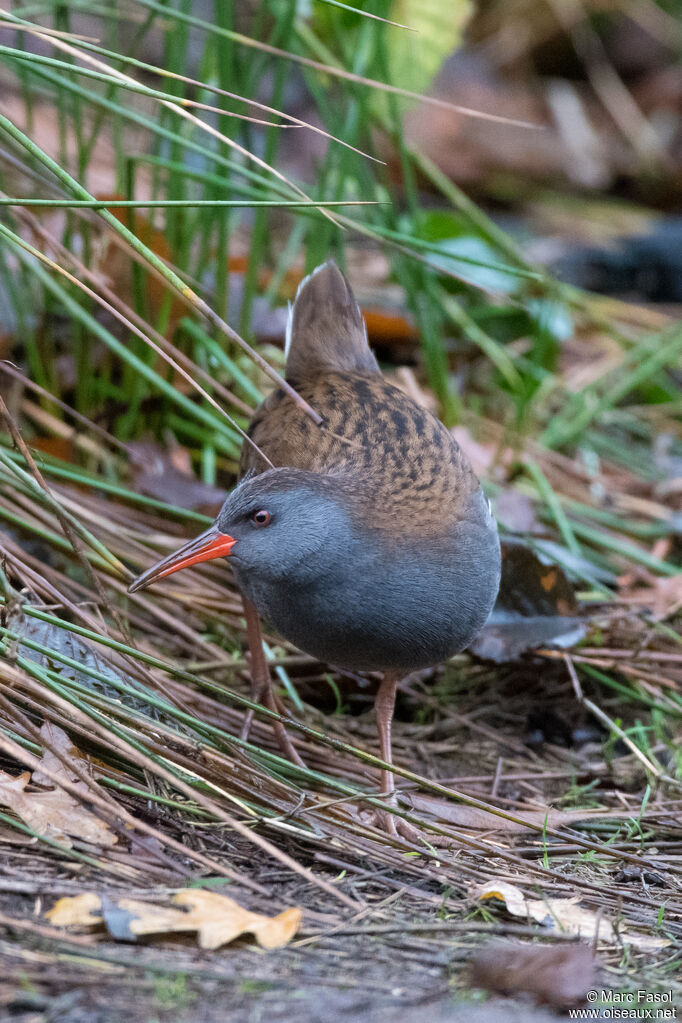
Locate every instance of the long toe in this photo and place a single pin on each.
(398, 827)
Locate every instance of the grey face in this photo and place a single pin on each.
(284, 524)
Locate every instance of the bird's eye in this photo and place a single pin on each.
(260, 518)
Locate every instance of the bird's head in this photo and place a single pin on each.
(281, 523)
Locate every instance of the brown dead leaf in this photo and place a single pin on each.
(565, 915)
(472, 817)
(217, 919)
(62, 448)
(51, 762)
(516, 512)
(557, 975)
(76, 911)
(10, 836)
(535, 607)
(54, 814)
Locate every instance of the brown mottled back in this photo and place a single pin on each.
(411, 474)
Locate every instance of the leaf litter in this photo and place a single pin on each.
(89, 666)
(535, 607)
(54, 814)
(216, 919)
(565, 915)
(559, 975)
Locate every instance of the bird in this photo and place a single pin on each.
(363, 539)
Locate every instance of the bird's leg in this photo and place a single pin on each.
(261, 684)
(385, 706)
(258, 668)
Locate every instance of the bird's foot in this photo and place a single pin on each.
(397, 827)
(400, 829)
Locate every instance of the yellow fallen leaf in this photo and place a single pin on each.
(149, 918)
(217, 919)
(562, 914)
(76, 911)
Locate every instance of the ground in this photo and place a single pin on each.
(408, 946)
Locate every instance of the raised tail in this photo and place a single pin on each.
(326, 330)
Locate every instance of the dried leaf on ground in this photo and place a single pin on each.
(217, 919)
(49, 761)
(516, 512)
(535, 607)
(564, 915)
(220, 919)
(557, 975)
(76, 911)
(472, 817)
(54, 814)
(60, 641)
